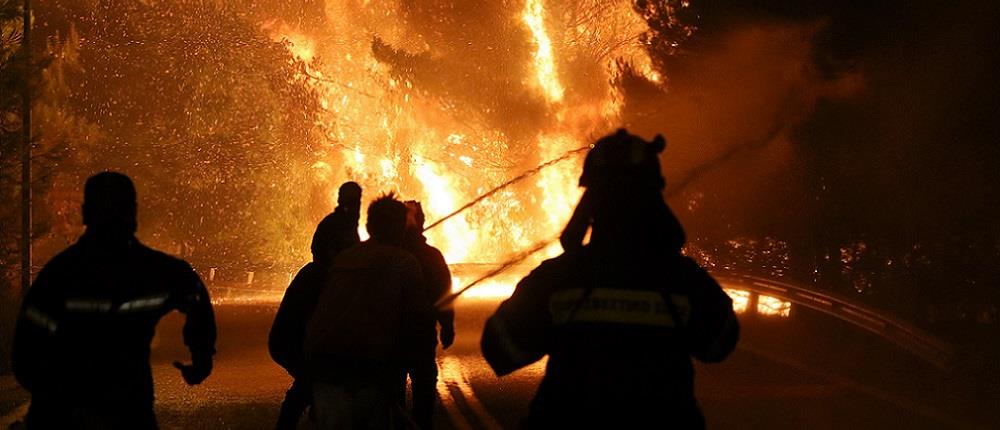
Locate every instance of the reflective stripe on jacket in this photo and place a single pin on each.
(86, 324)
(619, 335)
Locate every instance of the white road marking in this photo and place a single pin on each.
(453, 373)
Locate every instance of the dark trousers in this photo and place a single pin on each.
(297, 399)
(423, 381)
(359, 404)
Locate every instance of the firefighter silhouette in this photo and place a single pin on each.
(421, 366)
(335, 233)
(370, 314)
(621, 316)
(82, 341)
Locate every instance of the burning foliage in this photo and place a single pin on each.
(205, 112)
(238, 120)
(444, 101)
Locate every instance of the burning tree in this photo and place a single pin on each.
(238, 119)
(202, 109)
(56, 129)
(445, 101)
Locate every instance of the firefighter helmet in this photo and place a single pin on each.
(623, 158)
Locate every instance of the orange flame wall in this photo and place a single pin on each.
(442, 103)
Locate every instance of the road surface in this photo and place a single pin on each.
(806, 370)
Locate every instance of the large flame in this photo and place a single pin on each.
(389, 131)
(545, 66)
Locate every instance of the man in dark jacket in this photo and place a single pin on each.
(82, 341)
(422, 368)
(339, 230)
(620, 317)
(335, 233)
(365, 319)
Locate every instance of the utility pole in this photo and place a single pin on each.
(26, 154)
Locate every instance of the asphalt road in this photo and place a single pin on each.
(803, 371)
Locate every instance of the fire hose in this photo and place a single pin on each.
(510, 182)
(519, 257)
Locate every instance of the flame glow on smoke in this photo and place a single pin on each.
(418, 103)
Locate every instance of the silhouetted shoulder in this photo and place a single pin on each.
(433, 252)
(550, 268)
(684, 267)
(68, 257)
(169, 273)
(48, 286)
(311, 273)
(548, 275)
(691, 273)
(369, 254)
(52, 278)
(558, 266)
(688, 264)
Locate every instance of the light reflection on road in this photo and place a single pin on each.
(496, 289)
(773, 306)
(741, 299)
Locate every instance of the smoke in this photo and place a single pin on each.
(835, 119)
(731, 113)
(913, 157)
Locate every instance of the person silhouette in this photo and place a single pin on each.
(335, 233)
(82, 340)
(621, 316)
(422, 367)
(363, 326)
(339, 230)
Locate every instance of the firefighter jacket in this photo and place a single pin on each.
(372, 301)
(85, 327)
(619, 333)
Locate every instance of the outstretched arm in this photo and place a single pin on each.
(515, 335)
(199, 327)
(439, 279)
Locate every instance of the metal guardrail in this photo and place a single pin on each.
(905, 335)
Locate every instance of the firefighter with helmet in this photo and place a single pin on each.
(82, 341)
(621, 316)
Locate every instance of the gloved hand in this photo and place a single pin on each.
(447, 337)
(197, 371)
